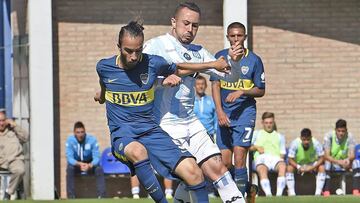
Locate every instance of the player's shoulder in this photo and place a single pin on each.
(253, 56)
(223, 52)
(154, 58)
(71, 139)
(105, 62)
(329, 134)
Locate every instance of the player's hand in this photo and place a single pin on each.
(233, 96)
(172, 80)
(301, 170)
(308, 168)
(236, 51)
(221, 65)
(97, 98)
(10, 122)
(223, 119)
(260, 149)
(346, 163)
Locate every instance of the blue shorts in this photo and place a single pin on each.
(240, 135)
(163, 154)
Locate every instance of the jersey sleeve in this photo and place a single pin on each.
(163, 68)
(293, 149)
(151, 47)
(259, 75)
(351, 142)
(327, 141)
(282, 145)
(319, 149)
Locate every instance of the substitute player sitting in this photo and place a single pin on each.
(305, 155)
(269, 147)
(126, 84)
(339, 145)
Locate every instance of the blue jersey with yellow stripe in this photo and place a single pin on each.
(245, 74)
(130, 93)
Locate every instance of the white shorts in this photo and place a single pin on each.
(192, 137)
(270, 161)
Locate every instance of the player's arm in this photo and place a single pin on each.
(293, 163)
(190, 68)
(351, 152)
(100, 96)
(328, 157)
(222, 117)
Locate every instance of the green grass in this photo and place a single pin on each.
(299, 199)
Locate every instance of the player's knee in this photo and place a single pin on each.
(135, 152)
(189, 171)
(321, 169)
(282, 167)
(290, 169)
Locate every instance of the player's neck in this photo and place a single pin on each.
(200, 94)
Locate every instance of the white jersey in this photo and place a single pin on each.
(176, 104)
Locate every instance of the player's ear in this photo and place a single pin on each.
(173, 22)
(246, 37)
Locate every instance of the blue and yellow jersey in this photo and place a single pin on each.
(245, 74)
(130, 93)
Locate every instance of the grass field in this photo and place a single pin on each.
(299, 199)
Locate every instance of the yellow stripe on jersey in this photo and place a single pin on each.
(241, 84)
(130, 98)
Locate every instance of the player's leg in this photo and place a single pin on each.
(208, 157)
(290, 180)
(320, 179)
(168, 188)
(135, 152)
(241, 136)
(280, 167)
(356, 177)
(328, 167)
(181, 163)
(262, 171)
(135, 187)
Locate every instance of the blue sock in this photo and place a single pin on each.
(148, 179)
(199, 193)
(241, 179)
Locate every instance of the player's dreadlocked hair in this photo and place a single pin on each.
(236, 25)
(133, 28)
(190, 5)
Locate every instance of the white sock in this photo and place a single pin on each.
(169, 191)
(290, 182)
(181, 194)
(228, 190)
(135, 190)
(320, 181)
(280, 185)
(265, 185)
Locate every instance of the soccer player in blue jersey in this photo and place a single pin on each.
(235, 103)
(126, 84)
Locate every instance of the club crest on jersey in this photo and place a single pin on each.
(196, 54)
(144, 77)
(187, 56)
(244, 69)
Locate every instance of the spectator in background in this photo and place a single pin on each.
(269, 148)
(306, 154)
(11, 152)
(339, 148)
(83, 157)
(204, 107)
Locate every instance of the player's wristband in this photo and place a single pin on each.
(298, 166)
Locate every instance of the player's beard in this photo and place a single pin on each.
(127, 65)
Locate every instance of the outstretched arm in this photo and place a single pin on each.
(190, 68)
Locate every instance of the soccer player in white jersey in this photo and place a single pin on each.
(174, 105)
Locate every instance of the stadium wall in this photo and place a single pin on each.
(310, 51)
